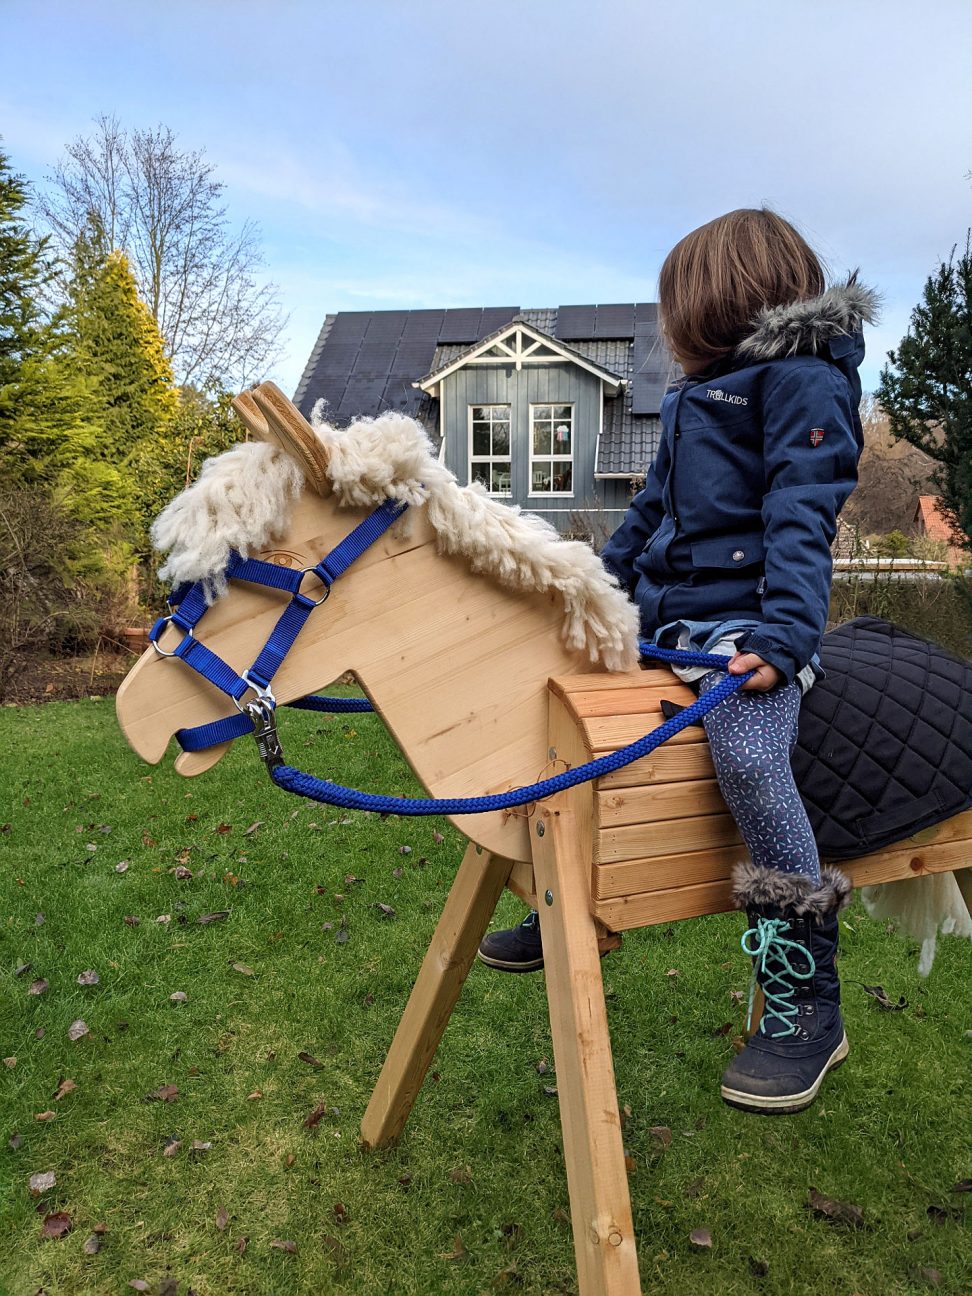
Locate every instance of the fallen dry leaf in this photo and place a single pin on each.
(386, 910)
(248, 832)
(437, 837)
(661, 1135)
(837, 1212)
(199, 1147)
(243, 968)
(458, 1251)
(314, 1118)
(45, 1116)
(309, 1059)
(181, 873)
(65, 1087)
(92, 1244)
(701, 1238)
(41, 1183)
(280, 1245)
(56, 1225)
(172, 1146)
(38, 987)
(178, 996)
(222, 1218)
(165, 1093)
(880, 997)
(139, 1284)
(89, 978)
(218, 916)
(77, 1030)
(10, 1062)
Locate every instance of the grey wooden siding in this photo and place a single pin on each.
(537, 385)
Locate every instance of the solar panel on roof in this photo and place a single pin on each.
(386, 326)
(574, 322)
(374, 360)
(337, 357)
(494, 317)
(650, 366)
(349, 326)
(362, 396)
(615, 321)
(461, 325)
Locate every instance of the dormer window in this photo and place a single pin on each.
(551, 449)
(489, 448)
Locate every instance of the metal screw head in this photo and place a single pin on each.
(548, 897)
(540, 828)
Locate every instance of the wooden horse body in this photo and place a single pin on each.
(479, 692)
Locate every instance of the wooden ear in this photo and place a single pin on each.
(270, 416)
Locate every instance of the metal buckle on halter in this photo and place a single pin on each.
(263, 693)
(159, 629)
(263, 717)
(327, 587)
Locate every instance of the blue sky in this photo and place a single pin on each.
(524, 152)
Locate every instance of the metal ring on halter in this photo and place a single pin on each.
(163, 621)
(327, 589)
(262, 691)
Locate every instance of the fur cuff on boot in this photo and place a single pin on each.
(790, 893)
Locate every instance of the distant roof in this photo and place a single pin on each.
(366, 362)
(935, 522)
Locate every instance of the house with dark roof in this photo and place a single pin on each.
(553, 409)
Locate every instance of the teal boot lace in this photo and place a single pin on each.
(772, 969)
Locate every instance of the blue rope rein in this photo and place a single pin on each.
(315, 789)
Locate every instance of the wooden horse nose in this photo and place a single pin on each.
(269, 415)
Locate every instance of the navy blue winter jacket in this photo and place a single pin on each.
(756, 460)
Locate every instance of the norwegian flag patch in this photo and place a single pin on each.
(816, 436)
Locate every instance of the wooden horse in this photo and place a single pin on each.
(481, 695)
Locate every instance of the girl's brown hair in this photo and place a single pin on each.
(715, 281)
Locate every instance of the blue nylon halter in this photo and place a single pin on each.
(189, 603)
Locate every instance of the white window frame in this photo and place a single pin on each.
(553, 458)
(491, 458)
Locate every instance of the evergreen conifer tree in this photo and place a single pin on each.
(926, 391)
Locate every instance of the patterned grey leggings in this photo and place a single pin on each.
(751, 736)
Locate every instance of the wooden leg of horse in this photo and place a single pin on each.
(465, 917)
(600, 1206)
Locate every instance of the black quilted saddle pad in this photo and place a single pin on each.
(885, 743)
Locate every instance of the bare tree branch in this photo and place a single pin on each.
(164, 208)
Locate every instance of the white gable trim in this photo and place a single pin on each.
(520, 342)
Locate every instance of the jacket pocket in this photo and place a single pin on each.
(729, 551)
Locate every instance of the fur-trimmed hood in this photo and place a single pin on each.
(806, 327)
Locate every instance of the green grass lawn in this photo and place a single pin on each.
(474, 1199)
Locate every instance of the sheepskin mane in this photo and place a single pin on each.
(243, 500)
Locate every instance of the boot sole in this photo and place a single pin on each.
(785, 1104)
(501, 965)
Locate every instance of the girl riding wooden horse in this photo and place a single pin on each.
(727, 550)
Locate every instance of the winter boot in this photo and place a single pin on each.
(792, 939)
(518, 949)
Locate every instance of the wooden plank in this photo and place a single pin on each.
(649, 804)
(634, 700)
(565, 686)
(665, 872)
(465, 917)
(673, 836)
(644, 908)
(603, 1229)
(663, 765)
(608, 733)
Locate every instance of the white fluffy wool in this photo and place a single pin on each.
(922, 907)
(243, 501)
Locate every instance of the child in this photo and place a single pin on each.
(727, 550)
